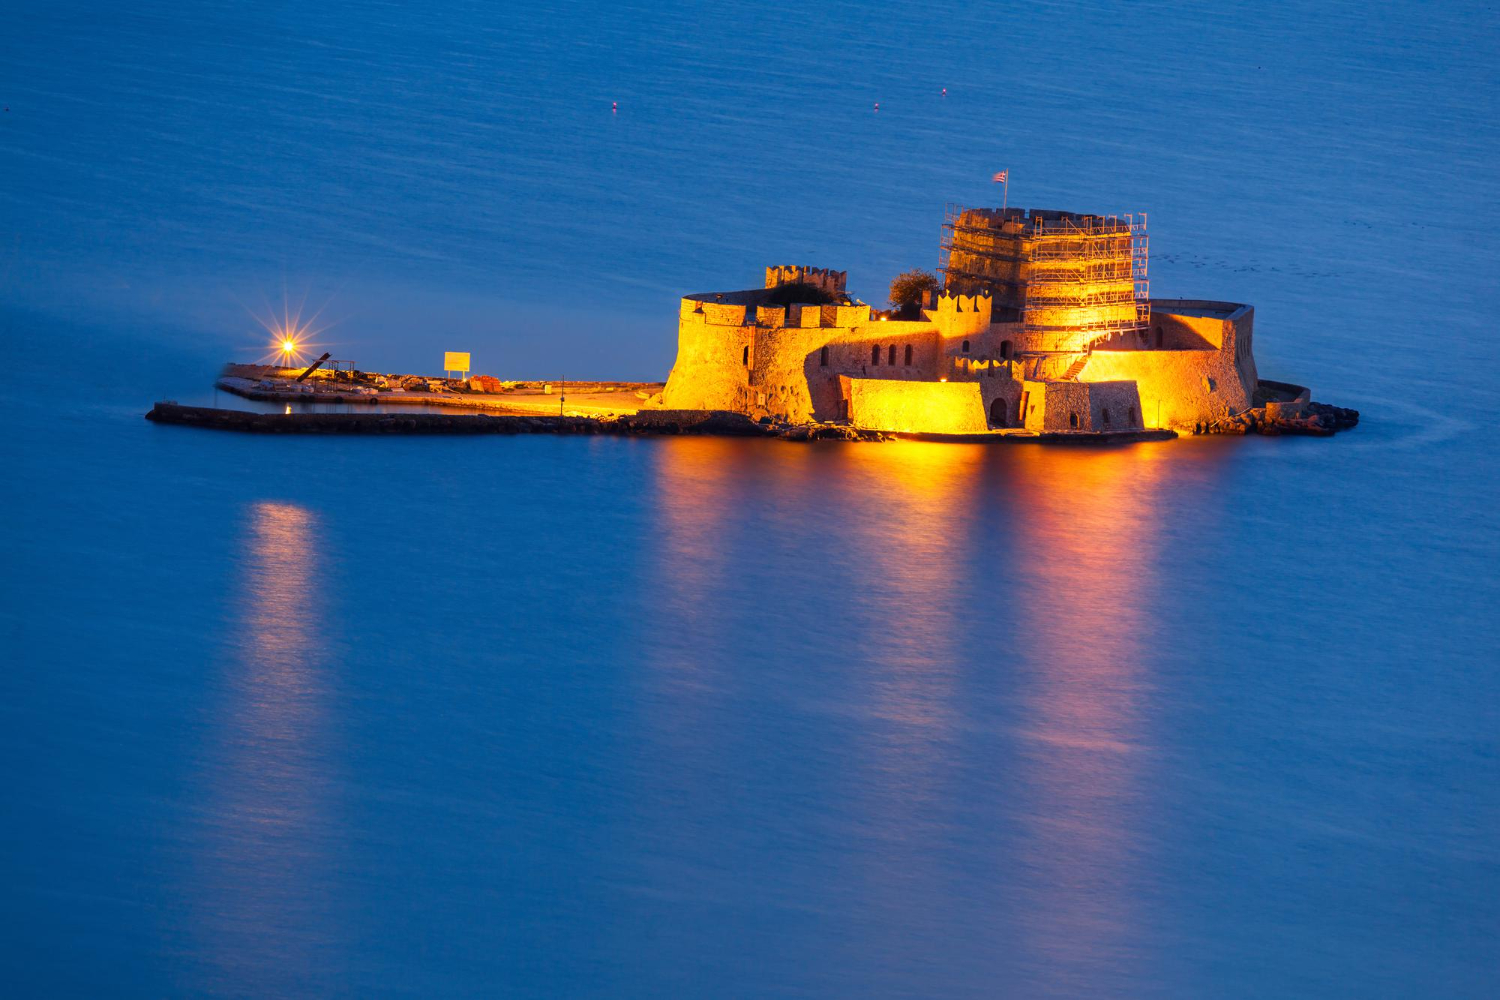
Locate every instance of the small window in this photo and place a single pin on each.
(891, 357)
(874, 354)
(966, 347)
(908, 354)
(1073, 421)
(745, 357)
(823, 356)
(1132, 415)
(1106, 416)
(1004, 350)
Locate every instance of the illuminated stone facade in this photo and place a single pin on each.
(888, 404)
(1129, 365)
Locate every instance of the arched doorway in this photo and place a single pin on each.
(998, 416)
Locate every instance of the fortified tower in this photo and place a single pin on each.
(1070, 279)
(830, 282)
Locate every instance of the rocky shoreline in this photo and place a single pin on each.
(1314, 419)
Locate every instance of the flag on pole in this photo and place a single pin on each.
(1003, 176)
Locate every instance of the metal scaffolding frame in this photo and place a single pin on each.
(1060, 261)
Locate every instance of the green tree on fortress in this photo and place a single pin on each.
(908, 289)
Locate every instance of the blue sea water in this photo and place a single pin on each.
(569, 717)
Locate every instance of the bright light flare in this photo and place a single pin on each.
(289, 337)
(292, 336)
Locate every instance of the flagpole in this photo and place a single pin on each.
(1005, 192)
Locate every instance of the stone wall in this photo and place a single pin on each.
(1000, 389)
(1066, 406)
(933, 407)
(786, 362)
(1180, 388)
(1093, 407)
(796, 370)
(712, 370)
(1114, 406)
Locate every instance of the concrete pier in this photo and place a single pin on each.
(655, 422)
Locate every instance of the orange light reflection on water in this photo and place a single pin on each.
(1087, 536)
(268, 791)
(911, 519)
(911, 507)
(695, 498)
(1021, 574)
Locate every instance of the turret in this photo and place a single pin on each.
(831, 282)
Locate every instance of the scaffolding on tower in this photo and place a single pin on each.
(1088, 274)
(1057, 272)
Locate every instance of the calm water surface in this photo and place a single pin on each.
(540, 717)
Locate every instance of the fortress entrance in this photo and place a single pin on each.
(998, 416)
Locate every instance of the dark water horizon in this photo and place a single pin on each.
(557, 716)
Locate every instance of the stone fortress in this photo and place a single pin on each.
(1043, 324)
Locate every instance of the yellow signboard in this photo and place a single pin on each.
(455, 361)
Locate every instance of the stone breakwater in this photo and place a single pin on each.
(645, 424)
(1316, 419)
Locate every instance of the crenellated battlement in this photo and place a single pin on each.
(959, 314)
(699, 310)
(831, 282)
(726, 314)
(951, 303)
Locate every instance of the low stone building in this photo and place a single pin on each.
(1072, 344)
